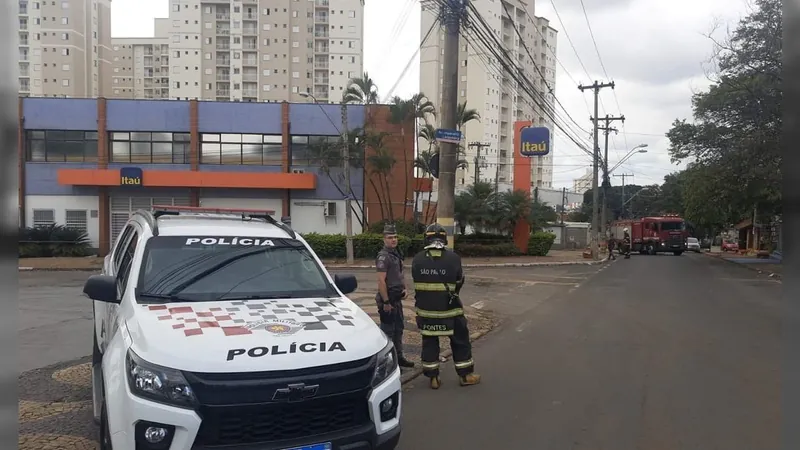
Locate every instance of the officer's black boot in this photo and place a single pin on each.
(403, 362)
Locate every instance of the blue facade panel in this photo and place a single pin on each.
(316, 119)
(71, 114)
(239, 117)
(147, 115)
(326, 188)
(42, 179)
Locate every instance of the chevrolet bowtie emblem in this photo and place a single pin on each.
(295, 393)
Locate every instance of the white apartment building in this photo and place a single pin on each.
(583, 183)
(141, 65)
(485, 87)
(248, 50)
(64, 48)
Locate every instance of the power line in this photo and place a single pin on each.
(410, 61)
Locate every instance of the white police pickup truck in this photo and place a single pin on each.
(216, 329)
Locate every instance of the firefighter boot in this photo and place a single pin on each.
(436, 383)
(470, 380)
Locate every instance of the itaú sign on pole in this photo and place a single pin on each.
(534, 141)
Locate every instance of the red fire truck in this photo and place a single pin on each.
(651, 235)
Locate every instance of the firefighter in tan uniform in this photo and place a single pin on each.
(438, 278)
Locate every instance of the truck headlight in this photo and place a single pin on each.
(159, 384)
(387, 364)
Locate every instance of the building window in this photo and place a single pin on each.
(237, 149)
(146, 148)
(314, 150)
(44, 217)
(61, 146)
(76, 219)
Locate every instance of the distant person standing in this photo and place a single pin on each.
(391, 292)
(611, 245)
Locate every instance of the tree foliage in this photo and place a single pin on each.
(734, 141)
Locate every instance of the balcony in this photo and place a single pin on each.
(250, 62)
(223, 93)
(223, 77)
(223, 61)
(250, 30)
(223, 31)
(321, 34)
(23, 42)
(223, 16)
(23, 56)
(321, 80)
(321, 64)
(322, 49)
(319, 18)
(250, 93)
(24, 72)
(225, 46)
(23, 8)
(250, 16)
(24, 87)
(252, 77)
(322, 3)
(249, 46)
(23, 25)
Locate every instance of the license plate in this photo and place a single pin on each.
(325, 446)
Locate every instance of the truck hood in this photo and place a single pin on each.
(253, 335)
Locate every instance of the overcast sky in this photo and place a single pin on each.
(654, 51)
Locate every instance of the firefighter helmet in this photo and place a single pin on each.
(435, 236)
(624, 230)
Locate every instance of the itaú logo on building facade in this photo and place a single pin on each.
(534, 141)
(130, 176)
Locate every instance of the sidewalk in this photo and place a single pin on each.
(771, 266)
(480, 323)
(555, 257)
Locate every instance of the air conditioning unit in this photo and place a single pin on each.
(329, 209)
(298, 171)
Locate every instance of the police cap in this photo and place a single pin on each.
(389, 229)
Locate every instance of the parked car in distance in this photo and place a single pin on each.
(730, 246)
(692, 245)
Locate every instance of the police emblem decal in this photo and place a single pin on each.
(278, 327)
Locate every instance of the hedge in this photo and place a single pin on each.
(52, 241)
(539, 243)
(366, 246)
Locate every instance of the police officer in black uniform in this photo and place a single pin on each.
(438, 278)
(391, 291)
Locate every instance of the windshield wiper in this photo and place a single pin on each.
(165, 297)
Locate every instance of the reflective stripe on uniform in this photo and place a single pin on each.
(434, 287)
(464, 365)
(455, 312)
(436, 333)
(431, 365)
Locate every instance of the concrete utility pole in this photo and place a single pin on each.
(478, 162)
(596, 86)
(606, 181)
(623, 176)
(348, 211)
(451, 13)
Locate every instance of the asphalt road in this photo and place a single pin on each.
(56, 319)
(653, 353)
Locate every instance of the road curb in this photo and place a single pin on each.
(365, 266)
(753, 267)
(414, 374)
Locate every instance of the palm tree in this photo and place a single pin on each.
(380, 163)
(464, 115)
(477, 201)
(417, 108)
(362, 91)
(510, 209)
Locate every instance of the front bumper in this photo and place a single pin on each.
(125, 410)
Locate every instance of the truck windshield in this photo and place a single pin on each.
(199, 268)
(673, 226)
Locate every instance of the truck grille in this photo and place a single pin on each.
(239, 408)
(249, 424)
